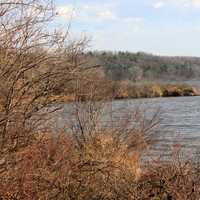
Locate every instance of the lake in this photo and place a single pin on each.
(179, 120)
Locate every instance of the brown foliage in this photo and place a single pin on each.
(87, 161)
(52, 168)
(175, 178)
(124, 90)
(34, 63)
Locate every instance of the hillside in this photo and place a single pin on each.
(142, 66)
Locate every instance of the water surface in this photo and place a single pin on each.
(179, 119)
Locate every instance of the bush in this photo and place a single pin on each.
(54, 168)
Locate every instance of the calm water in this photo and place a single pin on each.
(179, 119)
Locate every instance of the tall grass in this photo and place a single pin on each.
(123, 90)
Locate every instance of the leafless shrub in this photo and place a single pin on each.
(34, 63)
(89, 160)
(175, 178)
(53, 168)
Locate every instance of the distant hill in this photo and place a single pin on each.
(142, 66)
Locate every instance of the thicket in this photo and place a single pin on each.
(89, 159)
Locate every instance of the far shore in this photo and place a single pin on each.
(127, 91)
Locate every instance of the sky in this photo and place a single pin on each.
(161, 27)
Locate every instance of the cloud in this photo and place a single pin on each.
(66, 12)
(158, 4)
(133, 19)
(189, 3)
(103, 22)
(106, 15)
(96, 12)
(87, 12)
(195, 3)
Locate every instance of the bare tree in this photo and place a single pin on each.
(35, 60)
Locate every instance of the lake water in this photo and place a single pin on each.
(179, 120)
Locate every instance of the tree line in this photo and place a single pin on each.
(139, 66)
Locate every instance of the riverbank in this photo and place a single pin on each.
(124, 90)
(151, 90)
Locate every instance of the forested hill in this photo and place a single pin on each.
(143, 66)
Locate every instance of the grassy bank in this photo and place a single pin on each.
(124, 90)
(151, 90)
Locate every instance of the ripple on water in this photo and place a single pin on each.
(179, 119)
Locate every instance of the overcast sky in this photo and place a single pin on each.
(165, 27)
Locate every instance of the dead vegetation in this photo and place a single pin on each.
(87, 160)
(128, 90)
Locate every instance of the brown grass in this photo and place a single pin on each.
(52, 168)
(104, 168)
(126, 90)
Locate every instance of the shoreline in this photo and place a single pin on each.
(128, 92)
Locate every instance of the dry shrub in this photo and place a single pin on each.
(176, 178)
(97, 163)
(38, 169)
(36, 60)
(88, 162)
(122, 90)
(53, 168)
